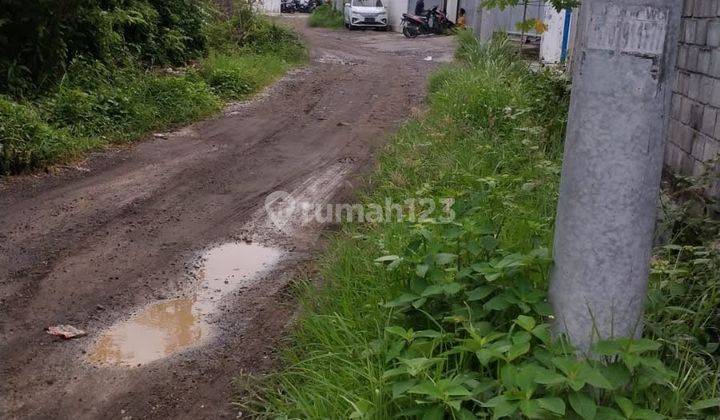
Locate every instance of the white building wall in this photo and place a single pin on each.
(395, 9)
(452, 9)
(552, 40)
(269, 6)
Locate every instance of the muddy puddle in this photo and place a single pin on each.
(170, 326)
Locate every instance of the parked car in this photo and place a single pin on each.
(366, 14)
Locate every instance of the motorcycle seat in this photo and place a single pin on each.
(416, 17)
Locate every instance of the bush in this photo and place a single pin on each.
(394, 294)
(39, 39)
(234, 77)
(268, 38)
(179, 99)
(26, 141)
(99, 101)
(119, 111)
(229, 77)
(325, 16)
(106, 110)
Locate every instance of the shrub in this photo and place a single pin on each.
(26, 141)
(429, 319)
(107, 92)
(178, 99)
(233, 76)
(254, 33)
(325, 16)
(39, 39)
(229, 78)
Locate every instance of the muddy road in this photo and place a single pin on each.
(163, 252)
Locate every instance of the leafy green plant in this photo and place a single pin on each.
(234, 77)
(433, 320)
(26, 140)
(684, 296)
(325, 16)
(484, 319)
(110, 94)
(39, 39)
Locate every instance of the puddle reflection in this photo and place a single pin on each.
(166, 327)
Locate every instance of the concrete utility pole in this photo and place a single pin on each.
(614, 149)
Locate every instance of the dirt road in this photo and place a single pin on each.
(126, 239)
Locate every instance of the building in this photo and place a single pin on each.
(693, 144)
(558, 36)
(694, 132)
(396, 8)
(269, 7)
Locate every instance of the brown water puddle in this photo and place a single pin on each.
(167, 327)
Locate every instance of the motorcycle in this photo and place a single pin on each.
(435, 22)
(304, 6)
(289, 6)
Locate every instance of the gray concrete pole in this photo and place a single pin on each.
(609, 190)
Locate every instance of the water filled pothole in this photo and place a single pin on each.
(170, 326)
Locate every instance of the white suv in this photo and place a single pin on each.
(366, 14)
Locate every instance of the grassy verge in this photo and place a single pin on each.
(436, 320)
(96, 104)
(326, 17)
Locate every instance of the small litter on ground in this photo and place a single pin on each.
(65, 331)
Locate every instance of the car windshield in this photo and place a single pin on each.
(367, 3)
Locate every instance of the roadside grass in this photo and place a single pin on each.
(95, 104)
(325, 16)
(683, 310)
(236, 76)
(426, 319)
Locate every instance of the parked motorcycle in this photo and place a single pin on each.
(301, 6)
(288, 6)
(435, 22)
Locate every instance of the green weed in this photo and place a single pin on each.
(437, 320)
(28, 141)
(96, 103)
(236, 76)
(325, 16)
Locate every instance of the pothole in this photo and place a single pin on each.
(168, 327)
(160, 330)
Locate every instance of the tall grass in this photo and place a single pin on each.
(324, 16)
(684, 297)
(491, 138)
(96, 104)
